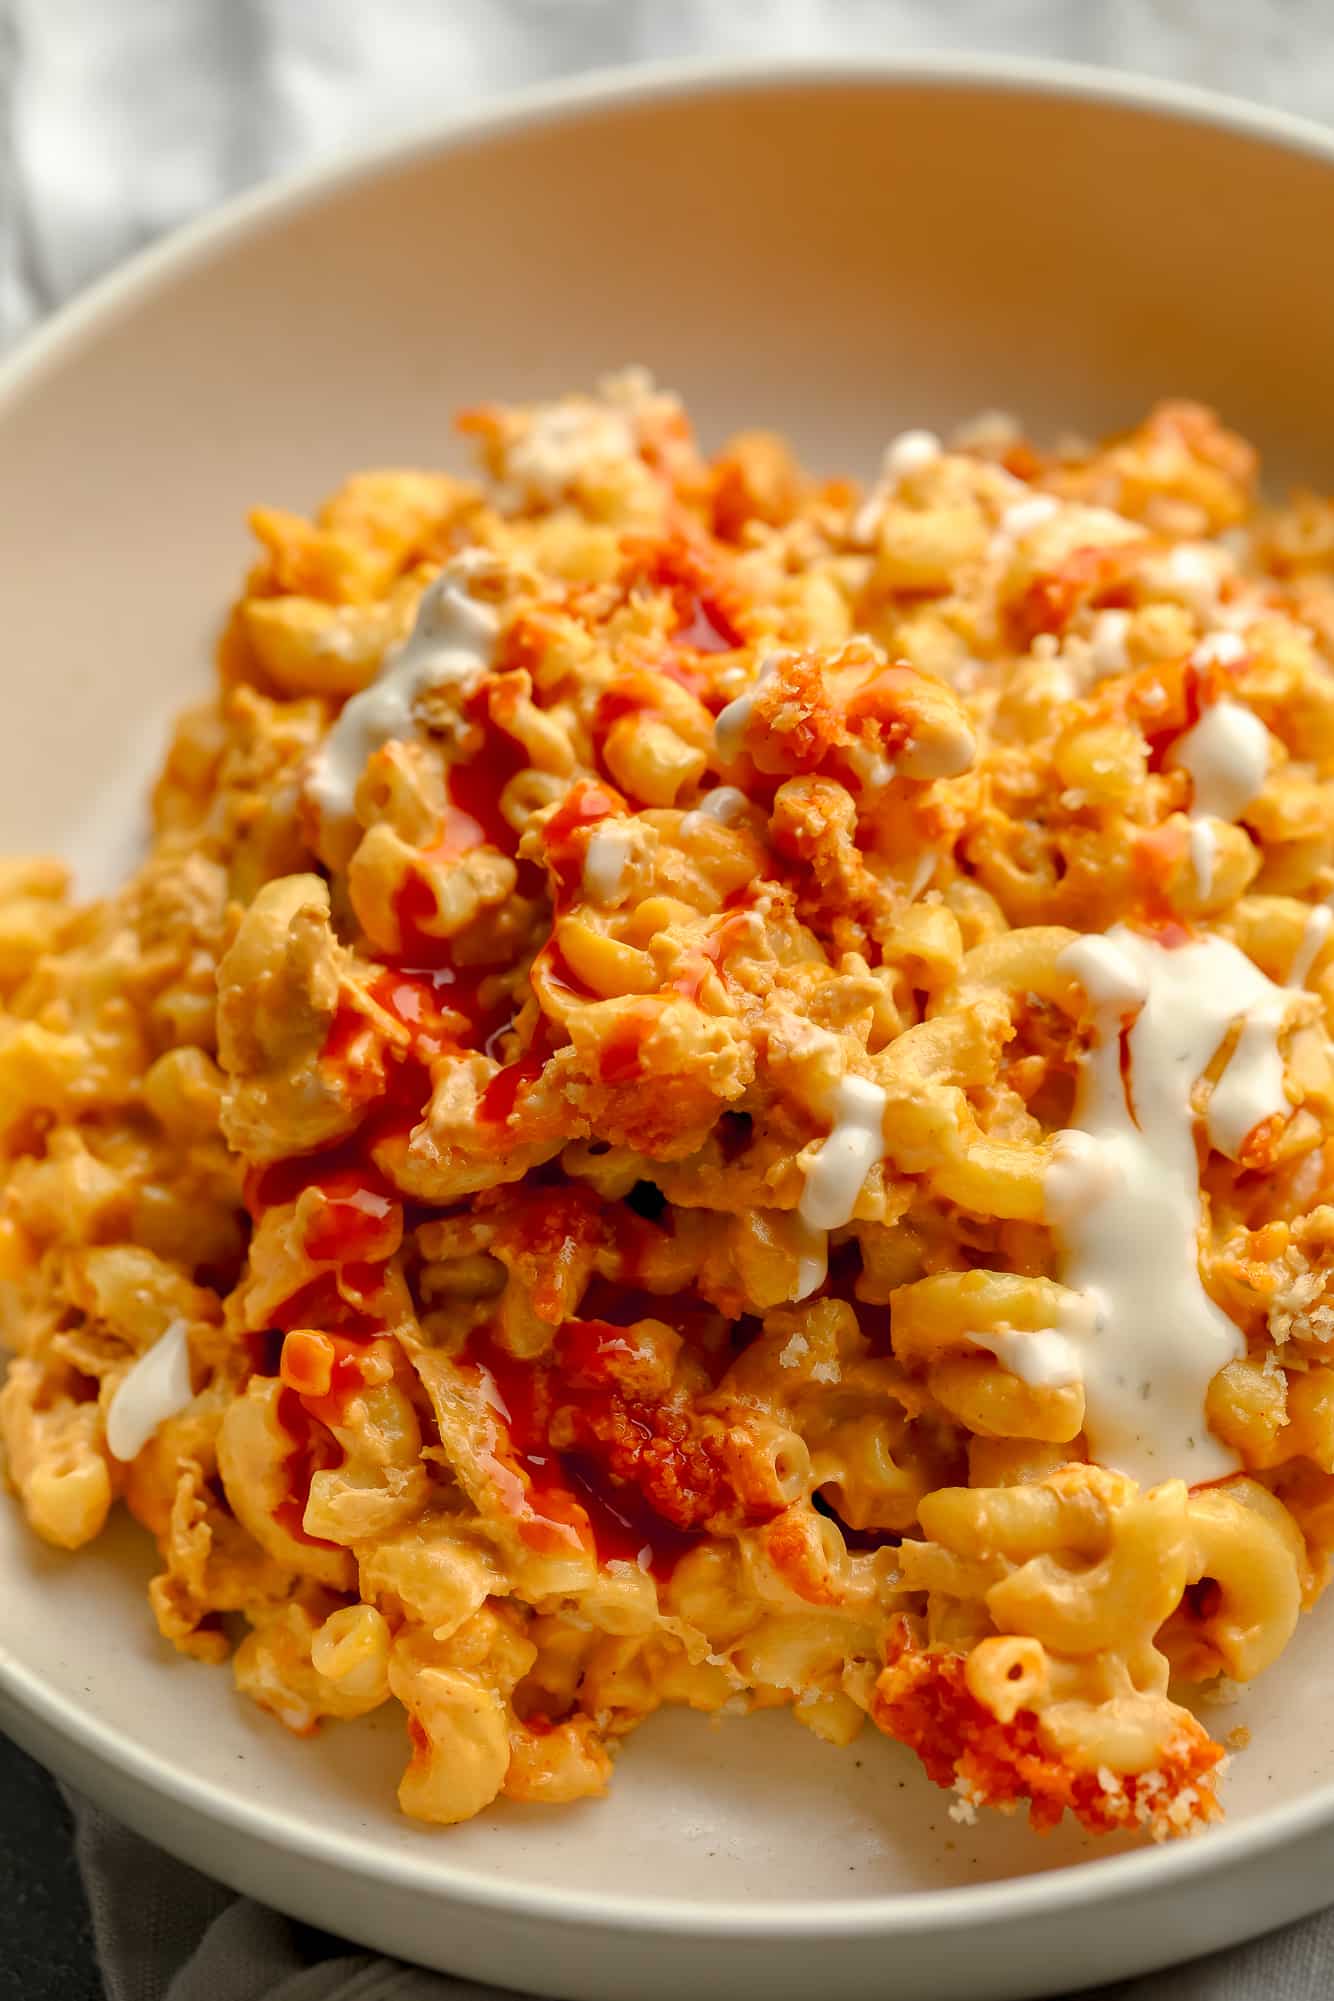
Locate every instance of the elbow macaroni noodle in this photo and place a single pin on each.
(574, 869)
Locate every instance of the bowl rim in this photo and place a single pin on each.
(115, 296)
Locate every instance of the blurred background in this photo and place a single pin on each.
(121, 118)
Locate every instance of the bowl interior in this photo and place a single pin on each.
(835, 260)
(709, 1811)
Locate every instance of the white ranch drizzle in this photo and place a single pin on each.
(730, 724)
(910, 452)
(1311, 944)
(872, 771)
(855, 1143)
(1219, 649)
(452, 641)
(1203, 853)
(1020, 519)
(606, 859)
(1046, 1358)
(836, 1174)
(1251, 1087)
(812, 1258)
(1108, 651)
(1123, 1197)
(152, 1391)
(1193, 572)
(724, 806)
(1226, 755)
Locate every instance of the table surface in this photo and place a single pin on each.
(46, 1946)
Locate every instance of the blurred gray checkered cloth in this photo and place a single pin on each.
(122, 118)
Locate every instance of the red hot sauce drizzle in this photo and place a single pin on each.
(316, 1451)
(706, 609)
(587, 803)
(352, 1233)
(564, 1501)
(473, 818)
(357, 1227)
(569, 1500)
(501, 1095)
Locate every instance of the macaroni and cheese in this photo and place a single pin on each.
(714, 1090)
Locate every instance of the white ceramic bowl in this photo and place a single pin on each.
(836, 252)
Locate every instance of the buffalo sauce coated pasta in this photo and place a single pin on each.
(714, 1090)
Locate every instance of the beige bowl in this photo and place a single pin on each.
(838, 252)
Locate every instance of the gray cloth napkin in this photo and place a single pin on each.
(122, 118)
